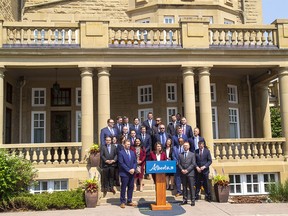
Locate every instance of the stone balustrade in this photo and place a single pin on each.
(189, 33)
(241, 35)
(47, 153)
(144, 34)
(250, 148)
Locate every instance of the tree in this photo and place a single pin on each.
(276, 122)
(16, 174)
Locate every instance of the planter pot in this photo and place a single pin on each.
(94, 160)
(91, 199)
(221, 193)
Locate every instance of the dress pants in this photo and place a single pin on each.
(188, 181)
(202, 179)
(108, 177)
(177, 176)
(127, 182)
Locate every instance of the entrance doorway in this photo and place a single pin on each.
(60, 126)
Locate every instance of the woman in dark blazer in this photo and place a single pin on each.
(169, 176)
(157, 155)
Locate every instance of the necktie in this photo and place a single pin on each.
(200, 153)
(185, 155)
(109, 149)
(128, 152)
(143, 137)
(162, 139)
(112, 131)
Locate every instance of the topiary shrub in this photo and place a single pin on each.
(16, 174)
(279, 192)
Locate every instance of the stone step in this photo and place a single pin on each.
(145, 192)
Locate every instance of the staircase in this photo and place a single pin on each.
(147, 195)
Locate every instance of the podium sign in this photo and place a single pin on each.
(160, 168)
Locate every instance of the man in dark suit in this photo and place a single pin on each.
(162, 136)
(203, 162)
(187, 166)
(127, 166)
(132, 137)
(108, 131)
(149, 123)
(177, 150)
(136, 126)
(178, 135)
(108, 160)
(119, 125)
(126, 123)
(146, 141)
(187, 129)
(172, 126)
(195, 140)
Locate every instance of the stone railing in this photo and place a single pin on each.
(248, 148)
(47, 153)
(43, 34)
(144, 34)
(188, 33)
(239, 35)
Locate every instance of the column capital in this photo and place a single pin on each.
(86, 71)
(204, 70)
(282, 71)
(2, 71)
(103, 71)
(188, 70)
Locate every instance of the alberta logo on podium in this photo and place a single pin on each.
(160, 167)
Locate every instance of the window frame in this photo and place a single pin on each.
(216, 122)
(33, 97)
(139, 94)
(235, 94)
(77, 97)
(50, 186)
(238, 122)
(33, 128)
(167, 112)
(174, 85)
(213, 86)
(145, 112)
(77, 136)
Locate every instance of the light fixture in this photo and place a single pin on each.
(56, 86)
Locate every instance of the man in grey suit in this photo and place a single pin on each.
(187, 164)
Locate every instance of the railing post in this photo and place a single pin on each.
(195, 32)
(282, 32)
(93, 34)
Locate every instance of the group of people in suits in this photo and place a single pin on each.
(125, 148)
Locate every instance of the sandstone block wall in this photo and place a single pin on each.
(9, 10)
(253, 11)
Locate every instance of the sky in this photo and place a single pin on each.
(274, 9)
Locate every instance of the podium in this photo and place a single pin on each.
(160, 168)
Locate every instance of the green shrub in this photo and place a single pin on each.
(276, 122)
(16, 174)
(279, 192)
(73, 199)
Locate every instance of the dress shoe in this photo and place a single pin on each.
(178, 194)
(184, 202)
(208, 199)
(131, 204)
(113, 191)
(192, 203)
(122, 205)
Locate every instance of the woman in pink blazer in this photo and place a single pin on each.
(157, 155)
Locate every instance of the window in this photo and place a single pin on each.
(171, 111)
(142, 113)
(248, 184)
(38, 127)
(38, 97)
(213, 92)
(147, 20)
(232, 94)
(234, 129)
(169, 19)
(78, 126)
(145, 94)
(62, 98)
(78, 96)
(168, 36)
(215, 122)
(9, 92)
(49, 186)
(171, 92)
(228, 22)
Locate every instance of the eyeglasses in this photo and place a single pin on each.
(162, 128)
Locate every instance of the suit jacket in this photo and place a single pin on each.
(171, 129)
(119, 130)
(105, 155)
(158, 138)
(189, 132)
(147, 142)
(188, 163)
(132, 143)
(204, 160)
(125, 164)
(192, 142)
(129, 127)
(106, 132)
(153, 156)
(148, 128)
(175, 139)
(138, 130)
(175, 153)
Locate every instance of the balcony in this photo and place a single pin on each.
(188, 33)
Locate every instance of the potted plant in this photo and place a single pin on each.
(94, 155)
(221, 187)
(91, 187)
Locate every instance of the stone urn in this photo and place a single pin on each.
(91, 199)
(222, 192)
(94, 159)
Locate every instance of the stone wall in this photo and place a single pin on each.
(9, 10)
(112, 10)
(253, 11)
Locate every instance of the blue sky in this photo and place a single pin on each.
(274, 9)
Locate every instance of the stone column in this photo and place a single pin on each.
(87, 129)
(205, 107)
(189, 96)
(265, 111)
(283, 91)
(103, 98)
(2, 70)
